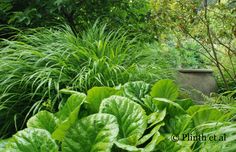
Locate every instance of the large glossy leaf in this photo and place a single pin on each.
(165, 89)
(207, 115)
(168, 145)
(96, 95)
(136, 90)
(180, 124)
(68, 115)
(149, 147)
(31, 140)
(95, 133)
(157, 138)
(156, 117)
(44, 120)
(150, 106)
(130, 115)
(194, 109)
(172, 107)
(153, 132)
(185, 103)
(127, 147)
(73, 103)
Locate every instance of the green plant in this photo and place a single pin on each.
(162, 59)
(36, 65)
(97, 132)
(122, 124)
(210, 24)
(77, 14)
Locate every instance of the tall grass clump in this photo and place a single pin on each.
(36, 65)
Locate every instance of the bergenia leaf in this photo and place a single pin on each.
(172, 107)
(44, 120)
(165, 89)
(68, 115)
(156, 117)
(73, 103)
(95, 133)
(136, 90)
(96, 95)
(31, 140)
(130, 115)
(148, 136)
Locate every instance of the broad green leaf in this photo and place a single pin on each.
(68, 115)
(194, 109)
(148, 148)
(73, 103)
(44, 120)
(165, 89)
(167, 144)
(127, 147)
(207, 115)
(31, 140)
(130, 115)
(148, 136)
(156, 117)
(95, 133)
(185, 103)
(148, 102)
(156, 139)
(136, 90)
(172, 107)
(180, 124)
(96, 95)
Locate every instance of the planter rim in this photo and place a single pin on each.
(195, 70)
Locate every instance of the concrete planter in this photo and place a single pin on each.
(194, 80)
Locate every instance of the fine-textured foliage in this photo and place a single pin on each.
(36, 65)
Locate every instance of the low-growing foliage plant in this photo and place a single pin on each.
(135, 117)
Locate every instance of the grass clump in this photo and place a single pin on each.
(36, 65)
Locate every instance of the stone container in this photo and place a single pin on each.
(196, 82)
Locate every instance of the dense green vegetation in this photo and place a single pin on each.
(99, 75)
(134, 117)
